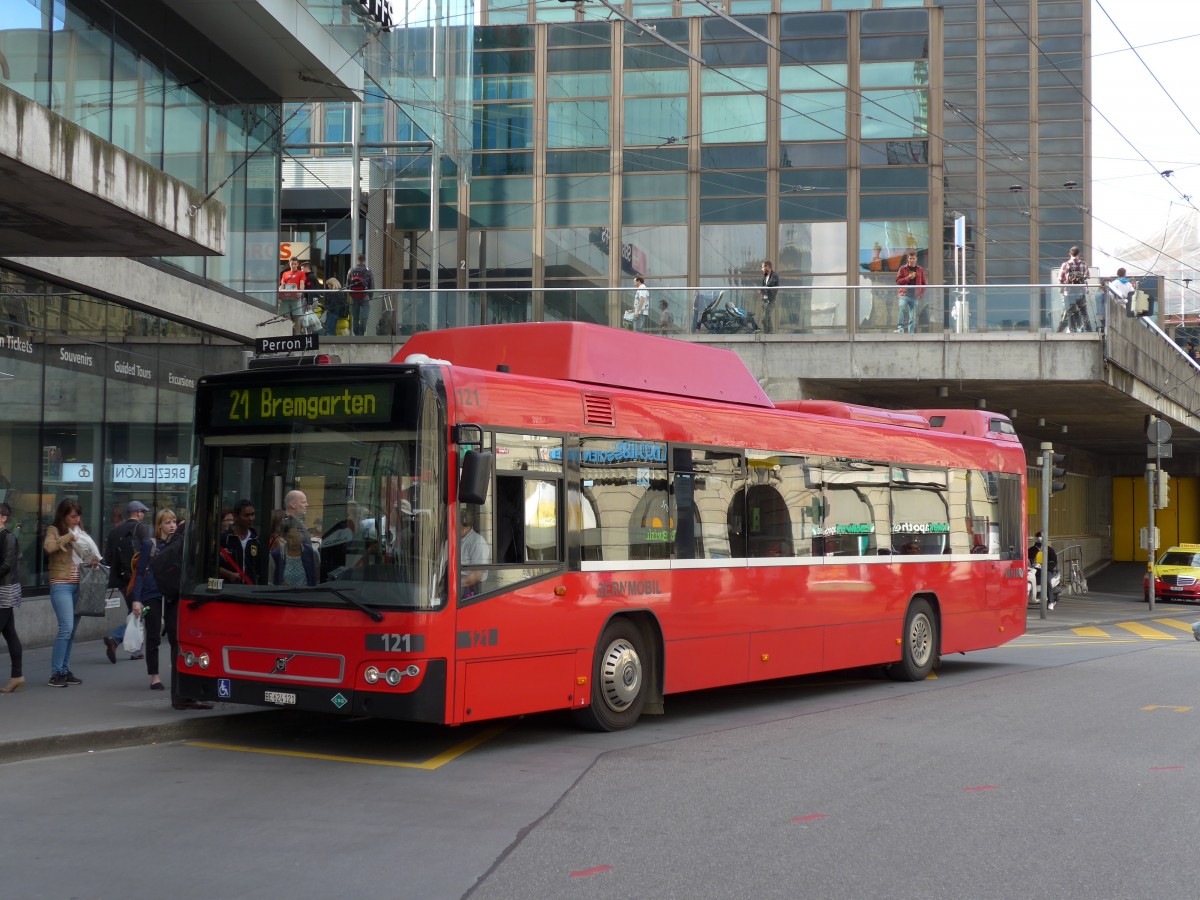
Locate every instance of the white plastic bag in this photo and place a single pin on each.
(135, 633)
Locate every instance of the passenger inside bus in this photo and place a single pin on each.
(473, 550)
(294, 561)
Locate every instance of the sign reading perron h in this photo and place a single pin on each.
(295, 344)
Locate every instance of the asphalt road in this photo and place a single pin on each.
(1056, 766)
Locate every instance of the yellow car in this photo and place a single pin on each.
(1177, 574)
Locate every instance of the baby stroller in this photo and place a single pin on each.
(716, 318)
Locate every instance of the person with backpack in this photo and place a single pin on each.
(359, 284)
(123, 544)
(148, 597)
(1072, 274)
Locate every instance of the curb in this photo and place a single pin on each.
(140, 735)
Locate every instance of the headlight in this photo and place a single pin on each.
(371, 674)
(189, 659)
(393, 677)
(204, 660)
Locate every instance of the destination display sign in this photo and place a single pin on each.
(314, 404)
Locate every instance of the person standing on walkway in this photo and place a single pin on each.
(291, 294)
(1072, 275)
(67, 547)
(359, 283)
(641, 303)
(912, 281)
(770, 287)
(123, 541)
(10, 599)
(334, 304)
(147, 597)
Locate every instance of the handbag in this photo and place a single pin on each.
(93, 586)
(10, 595)
(135, 633)
(627, 315)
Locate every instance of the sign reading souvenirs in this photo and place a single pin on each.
(313, 404)
(294, 344)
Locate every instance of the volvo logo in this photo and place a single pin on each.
(281, 663)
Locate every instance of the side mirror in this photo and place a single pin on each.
(476, 477)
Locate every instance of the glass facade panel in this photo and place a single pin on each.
(810, 247)
(731, 119)
(812, 116)
(655, 120)
(581, 123)
(663, 248)
(894, 114)
(590, 84)
(732, 250)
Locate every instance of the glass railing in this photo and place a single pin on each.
(691, 311)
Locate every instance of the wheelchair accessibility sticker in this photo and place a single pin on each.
(224, 688)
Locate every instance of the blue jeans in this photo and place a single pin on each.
(360, 310)
(62, 598)
(908, 314)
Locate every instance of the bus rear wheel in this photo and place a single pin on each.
(918, 644)
(618, 679)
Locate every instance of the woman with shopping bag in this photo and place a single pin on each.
(68, 548)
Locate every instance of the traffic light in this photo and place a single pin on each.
(1058, 462)
(1164, 490)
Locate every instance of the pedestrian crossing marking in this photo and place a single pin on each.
(1176, 623)
(1090, 631)
(1145, 631)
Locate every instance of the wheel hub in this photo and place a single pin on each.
(620, 675)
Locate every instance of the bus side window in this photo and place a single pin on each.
(510, 527)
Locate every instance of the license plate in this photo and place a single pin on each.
(1178, 589)
(280, 698)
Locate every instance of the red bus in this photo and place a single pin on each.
(512, 519)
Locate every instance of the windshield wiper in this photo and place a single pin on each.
(375, 614)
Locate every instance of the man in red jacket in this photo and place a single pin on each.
(911, 279)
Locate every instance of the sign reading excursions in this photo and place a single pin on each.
(312, 404)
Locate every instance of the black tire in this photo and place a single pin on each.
(619, 679)
(918, 645)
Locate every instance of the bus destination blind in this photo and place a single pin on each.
(313, 404)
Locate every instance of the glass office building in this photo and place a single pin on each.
(830, 136)
(98, 406)
(131, 81)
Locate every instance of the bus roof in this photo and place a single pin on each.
(596, 355)
(838, 410)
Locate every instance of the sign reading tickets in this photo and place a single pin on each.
(280, 406)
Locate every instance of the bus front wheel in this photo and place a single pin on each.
(918, 644)
(618, 679)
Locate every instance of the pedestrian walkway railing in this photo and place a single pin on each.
(738, 308)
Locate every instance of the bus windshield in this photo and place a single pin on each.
(325, 509)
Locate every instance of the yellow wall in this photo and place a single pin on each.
(1178, 523)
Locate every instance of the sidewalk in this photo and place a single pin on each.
(116, 708)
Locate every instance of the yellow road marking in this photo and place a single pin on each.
(429, 765)
(1090, 631)
(1175, 623)
(1145, 631)
(1179, 709)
